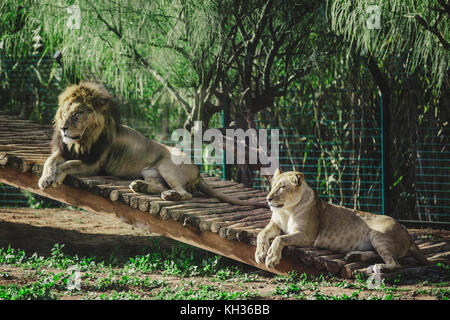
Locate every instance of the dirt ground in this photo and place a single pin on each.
(87, 234)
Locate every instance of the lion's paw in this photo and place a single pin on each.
(138, 186)
(49, 181)
(171, 195)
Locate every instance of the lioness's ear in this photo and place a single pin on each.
(297, 178)
(277, 173)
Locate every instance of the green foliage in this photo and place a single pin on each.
(400, 30)
(179, 260)
(300, 65)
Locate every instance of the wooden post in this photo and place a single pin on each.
(226, 119)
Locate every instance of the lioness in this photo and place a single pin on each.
(89, 140)
(306, 221)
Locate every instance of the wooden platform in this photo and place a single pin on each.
(225, 229)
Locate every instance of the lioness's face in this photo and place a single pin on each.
(285, 189)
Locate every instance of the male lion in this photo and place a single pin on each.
(89, 140)
(307, 221)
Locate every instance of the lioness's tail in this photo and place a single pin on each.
(415, 251)
(206, 189)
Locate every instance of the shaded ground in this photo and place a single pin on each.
(122, 262)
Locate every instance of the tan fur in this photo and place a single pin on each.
(300, 218)
(89, 140)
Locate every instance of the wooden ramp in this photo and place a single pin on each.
(225, 229)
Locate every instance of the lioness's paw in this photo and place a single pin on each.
(273, 258)
(261, 252)
(353, 257)
(171, 195)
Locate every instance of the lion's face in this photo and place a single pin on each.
(285, 189)
(74, 119)
(85, 110)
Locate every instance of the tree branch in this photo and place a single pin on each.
(433, 29)
(140, 59)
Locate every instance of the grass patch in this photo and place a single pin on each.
(184, 272)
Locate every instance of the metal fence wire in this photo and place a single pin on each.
(339, 152)
(340, 155)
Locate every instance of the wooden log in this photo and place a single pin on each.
(177, 214)
(435, 247)
(125, 197)
(310, 255)
(72, 181)
(333, 263)
(90, 182)
(3, 158)
(106, 189)
(7, 127)
(156, 206)
(245, 221)
(232, 233)
(425, 244)
(29, 158)
(185, 217)
(26, 141)
(205, 221)
(348, 270)
(21, 156)
(115, 194)
(122, 195)
(415, 272)
(216, 224)
(334, 266)
(17, 163)
(36, 134)
(300, 254)
(441, 255)
(213, 215)
(248, 236)
(25, 148)
(37, 169)
(133, 200)
(142, 201)
(169, 228)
